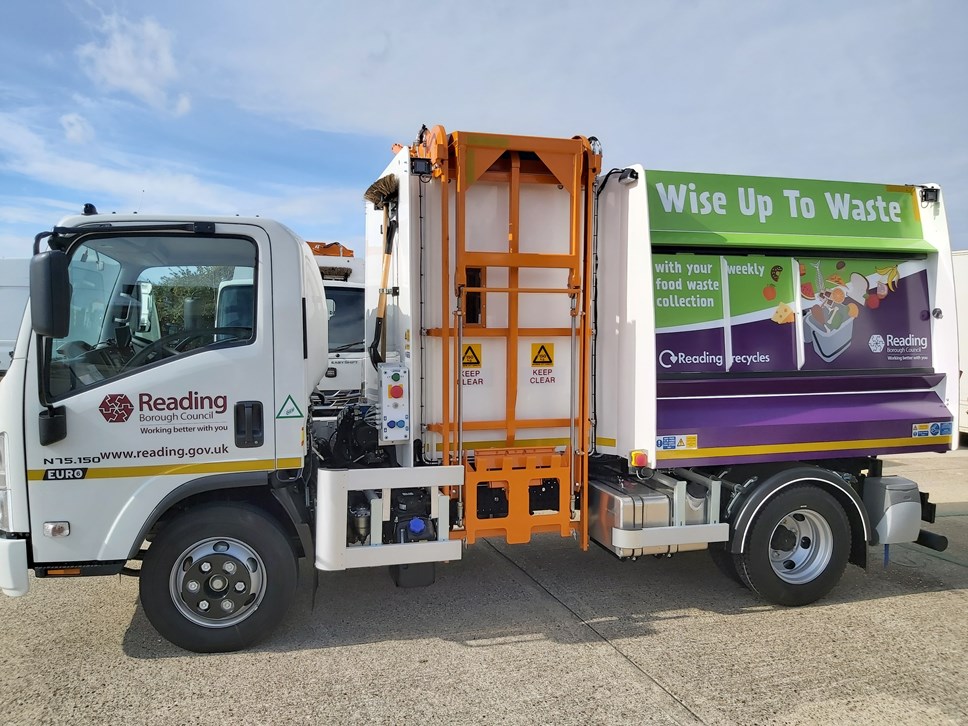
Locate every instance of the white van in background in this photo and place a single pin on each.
(14, 291)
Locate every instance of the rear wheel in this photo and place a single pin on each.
(798, 547)
(218, 578)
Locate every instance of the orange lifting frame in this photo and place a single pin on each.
(572, 165)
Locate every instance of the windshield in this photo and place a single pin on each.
(346, 324)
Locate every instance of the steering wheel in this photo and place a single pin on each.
(170, 345)
(75, 348)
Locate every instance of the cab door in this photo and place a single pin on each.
(155, 392)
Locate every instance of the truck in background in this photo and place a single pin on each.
(656, 362)
(14, 291)
(960, 260)
(342, 274)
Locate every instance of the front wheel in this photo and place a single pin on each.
(798, 547)
(218, 578)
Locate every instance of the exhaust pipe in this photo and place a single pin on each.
(933, 541)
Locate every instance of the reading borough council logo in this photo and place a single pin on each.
(116, 408)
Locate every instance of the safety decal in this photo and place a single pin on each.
(542, 354)
(471, 357)
(677, 442)
(289, 409)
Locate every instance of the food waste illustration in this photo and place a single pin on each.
(739, 313)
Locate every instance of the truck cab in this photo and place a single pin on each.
(139, 399)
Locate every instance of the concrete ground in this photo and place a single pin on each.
(528, 634)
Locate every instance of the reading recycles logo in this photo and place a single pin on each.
(116, 408)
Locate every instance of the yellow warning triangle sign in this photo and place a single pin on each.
(540, 355)
(471, 357)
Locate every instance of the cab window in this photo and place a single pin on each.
(141, 300)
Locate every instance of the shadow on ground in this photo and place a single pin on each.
(499, 594)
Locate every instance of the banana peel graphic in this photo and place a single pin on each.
(891, 274)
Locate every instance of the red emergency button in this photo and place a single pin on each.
(396, 391)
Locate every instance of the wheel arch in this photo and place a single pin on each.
(757, 496)
(250, 487)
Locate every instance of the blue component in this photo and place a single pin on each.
(391, 424)
(401, 423)
(417, 526)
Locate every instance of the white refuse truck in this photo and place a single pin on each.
(654, 362)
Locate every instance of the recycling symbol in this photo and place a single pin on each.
(116, 408)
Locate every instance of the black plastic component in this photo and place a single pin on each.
(87, 569)
(52, 425)
(50, 297)
(420, 167)
(410, 503)
(936, 542)
(414, 529)
(203, 227)
(409, 517)
(492, 502)
(249, 427)
(544, 496)
(929, 510)
(420, 574)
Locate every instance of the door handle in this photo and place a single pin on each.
(249, 429)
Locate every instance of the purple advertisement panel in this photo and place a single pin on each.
(693, 351)
(865, 314)
(764, 345)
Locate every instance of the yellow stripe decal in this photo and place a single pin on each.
(802, 447)
(212, 467)
(523, 443)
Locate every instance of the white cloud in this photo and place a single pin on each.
(76, 128)
(134, 57)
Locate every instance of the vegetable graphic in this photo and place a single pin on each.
(769, 292)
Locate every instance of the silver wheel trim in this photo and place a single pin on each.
(811, 552)
(249, 565)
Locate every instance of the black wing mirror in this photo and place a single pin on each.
(50, 294)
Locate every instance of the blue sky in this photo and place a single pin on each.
(289, 109)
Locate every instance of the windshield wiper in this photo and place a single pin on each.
(347, 346)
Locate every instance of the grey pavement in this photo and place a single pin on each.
(540, 633)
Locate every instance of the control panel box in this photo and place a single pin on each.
(394, 403)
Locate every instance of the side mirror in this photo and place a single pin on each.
(330, 307)
(50, 294)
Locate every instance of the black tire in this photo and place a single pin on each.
(798, 547)
(246, 590)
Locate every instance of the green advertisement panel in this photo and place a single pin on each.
(688, 289)
(762, 313)
(692, 208)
